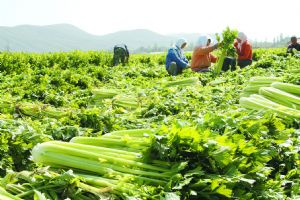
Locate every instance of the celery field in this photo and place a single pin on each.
(72, 126)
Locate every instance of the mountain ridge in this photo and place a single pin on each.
(67, 37)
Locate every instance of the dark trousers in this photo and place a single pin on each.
(230, 63)
(244, 63)
(174, 69)
(203, 70)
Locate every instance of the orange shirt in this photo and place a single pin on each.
(246, 51)
(202, 58)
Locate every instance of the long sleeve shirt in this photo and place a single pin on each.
(174, 55)
(202, 58)
(293, 46)
(245, 53)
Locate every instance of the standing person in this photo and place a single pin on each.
(176, 60)
(294, 45)
(202, 57)
(121, 54)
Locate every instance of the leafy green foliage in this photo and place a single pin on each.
(221, 150)
(226, 47)
(228, 37)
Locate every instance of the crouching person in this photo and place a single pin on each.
(244, 51)
(176, 61)
(202, 57)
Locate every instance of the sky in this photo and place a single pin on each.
(260, 19)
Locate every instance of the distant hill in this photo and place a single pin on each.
(66, 37)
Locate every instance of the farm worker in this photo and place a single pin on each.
(176, 60)
(244, 51)
(121, 54)
(293, 46)
(202, 57)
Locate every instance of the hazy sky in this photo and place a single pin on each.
(259, 19)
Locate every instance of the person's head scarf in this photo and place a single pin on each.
(243, 37)
(202, 41)
(179, 44)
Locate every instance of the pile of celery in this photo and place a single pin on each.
(115, 160)
(277, 97)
